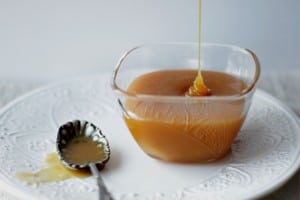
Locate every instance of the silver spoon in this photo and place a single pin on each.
(70, 136)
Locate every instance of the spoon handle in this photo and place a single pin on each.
(103, 192)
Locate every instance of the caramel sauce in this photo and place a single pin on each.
(54, 170)
(199, 88)
(191, 131)
(83, 150)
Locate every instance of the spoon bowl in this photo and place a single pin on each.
(78, 131)
(81, 145)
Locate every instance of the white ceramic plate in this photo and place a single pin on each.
(264, 155)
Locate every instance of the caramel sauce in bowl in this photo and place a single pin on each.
(151, 83)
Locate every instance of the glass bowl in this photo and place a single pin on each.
(181, 128)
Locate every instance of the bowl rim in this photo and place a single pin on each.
(245, 92)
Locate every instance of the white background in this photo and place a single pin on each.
(58, 38)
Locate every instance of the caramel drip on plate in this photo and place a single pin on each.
(53, 171)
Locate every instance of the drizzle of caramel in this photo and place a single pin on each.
(54, 170)
(199, 88)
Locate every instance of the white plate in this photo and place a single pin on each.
(264, 155)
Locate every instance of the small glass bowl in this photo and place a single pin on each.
(180, 128)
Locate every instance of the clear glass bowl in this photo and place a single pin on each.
(180, 128)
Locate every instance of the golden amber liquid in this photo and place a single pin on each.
(199, 88)
(53, 171)
(84, 150)
(81, 150)
(189, 130)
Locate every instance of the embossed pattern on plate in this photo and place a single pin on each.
(264, 155)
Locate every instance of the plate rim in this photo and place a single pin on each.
(294, 168)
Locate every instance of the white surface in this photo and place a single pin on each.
(264, 156)
(54, 39)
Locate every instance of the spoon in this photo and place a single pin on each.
(81, 145)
